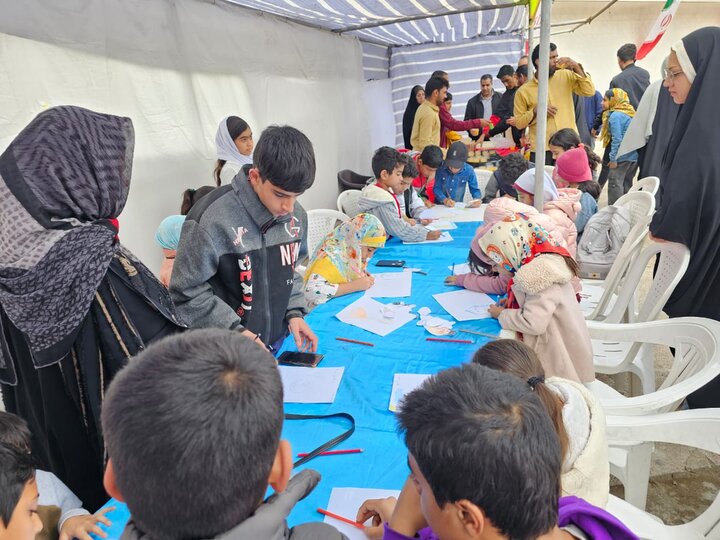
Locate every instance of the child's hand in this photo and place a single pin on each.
(411, 221)
(81, 526)
(449, 202)
(474, 203)
(612, 165)
(380, 510)
(450, 280)
(365, 282)
(426, 221)
(495, 311)
(433, 235)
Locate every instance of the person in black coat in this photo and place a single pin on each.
(417, 96)
(476, 107)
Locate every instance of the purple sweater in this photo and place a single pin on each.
(595, 522)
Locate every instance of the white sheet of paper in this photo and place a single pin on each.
(465, 305)
(391, 285)
(459, 205)
(375, 317)
(444, 237)
(441, 225)
(462, 268)
(310, 385)
(404, 383)
(346, 502)
(440, 212)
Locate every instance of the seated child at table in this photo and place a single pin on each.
(192, 430)
(454, 177)
(411, 205)
(379, 198)
(542, 304)
(562, 207)
(428, 162)
(573, 172)
(72, 520)
(481, 277)
(339, 264)
(485, 463)
(19, 517)
(576, 414)
(501, 181)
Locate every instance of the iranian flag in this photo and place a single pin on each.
(658, 29)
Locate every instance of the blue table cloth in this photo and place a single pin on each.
(365, 388)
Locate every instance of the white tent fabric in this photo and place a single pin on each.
(177, 67)
(434, 27)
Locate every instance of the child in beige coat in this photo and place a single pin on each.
(542, 306)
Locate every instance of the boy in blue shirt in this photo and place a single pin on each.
(454, 175)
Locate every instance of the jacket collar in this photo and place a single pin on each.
(249, 199)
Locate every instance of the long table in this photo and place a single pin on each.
(365, 388)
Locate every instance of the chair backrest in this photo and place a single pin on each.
(348, 179)
(674, 259)
(696, 361)
(347, 202)
(483, 177)
(320, 223)
(641, 204)
(698, 429)
(651, 184)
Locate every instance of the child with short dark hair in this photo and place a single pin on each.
(485, 464)
(19, 519)
(454, 177)
(411, 205)
(380, 200)
(209, 403)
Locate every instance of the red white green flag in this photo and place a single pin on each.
(658, 29)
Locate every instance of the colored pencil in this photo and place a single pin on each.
(448, 340)
(335, 452)
(479, 333)
(340, 518)
(348, 340)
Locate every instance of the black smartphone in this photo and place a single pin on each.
(294, 358)
(393, 264)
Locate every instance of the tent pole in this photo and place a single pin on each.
(541, 127)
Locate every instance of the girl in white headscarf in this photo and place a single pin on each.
(234, 142)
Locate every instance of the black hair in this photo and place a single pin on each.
(386, 158)
(191, 196)
(522, 70)
(410, 170)
(484, 436)
(448, 97)
(505, 71)
(433, 84)
(510, 169)
(485, 77)
(568, 138)
(432, 156)
(284, 157)
(16, 463)
(627, 52)
(536, 52)
(592, 187)
(440, 74)
(609, 93)
(191, 423)
(235, 126)
(478, 266)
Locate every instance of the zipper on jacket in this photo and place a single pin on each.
(268, 315)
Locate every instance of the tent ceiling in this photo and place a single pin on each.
(400, 22)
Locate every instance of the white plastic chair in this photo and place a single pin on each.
(483, 177)
(347, 202)
(320, 223)
(651, 184)
(549, 169)
(698, 429)
(696, 362)
(598, 294)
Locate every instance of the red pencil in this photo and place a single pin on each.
(334, 452)
(340, 518)
(448, 340)
(348, 340)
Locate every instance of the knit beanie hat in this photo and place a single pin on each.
(573, 166)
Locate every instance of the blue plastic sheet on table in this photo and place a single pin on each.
(365, 388)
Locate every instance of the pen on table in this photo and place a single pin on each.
(348, 340)
(335, 452)
(446, 340)
(452, 272)
(340, 518)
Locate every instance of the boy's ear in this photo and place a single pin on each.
(281, 467)
(253, 176)
(384, 174)
(110, 483)
(471, 518)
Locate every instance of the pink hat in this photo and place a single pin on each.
(573, 166)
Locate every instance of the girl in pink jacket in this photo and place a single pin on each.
(541, 307)
(561, 205)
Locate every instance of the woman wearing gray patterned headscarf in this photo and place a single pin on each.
(74, 304)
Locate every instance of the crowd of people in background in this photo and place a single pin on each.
(76, 306)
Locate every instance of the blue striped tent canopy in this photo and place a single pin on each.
(433, 21)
